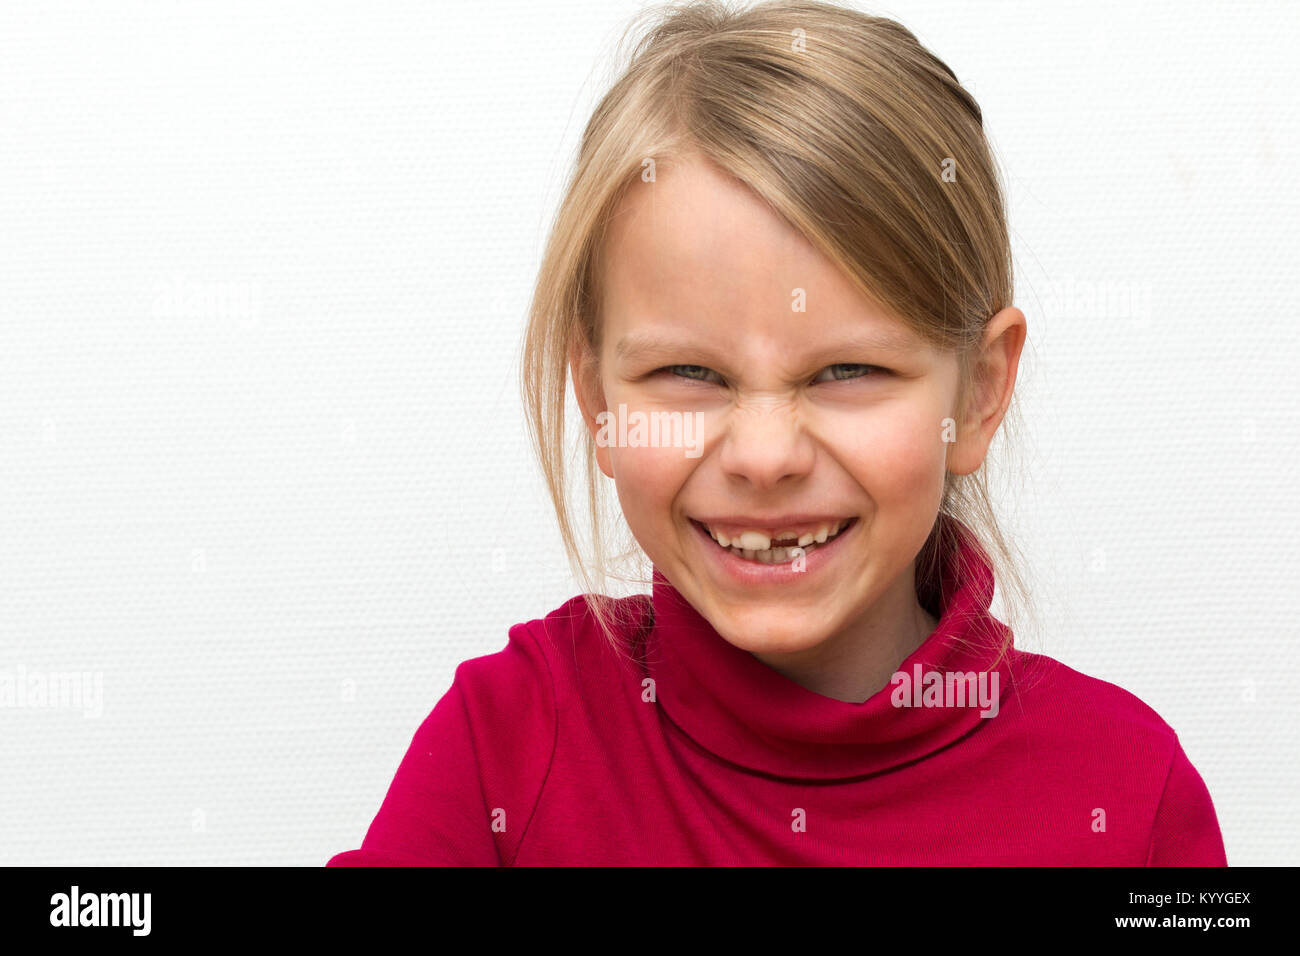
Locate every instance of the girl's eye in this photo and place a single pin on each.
(694, 372)
(850, 371)
(839, 373)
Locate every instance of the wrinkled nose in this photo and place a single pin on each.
(765, 443)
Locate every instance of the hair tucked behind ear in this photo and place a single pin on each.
(854, 132)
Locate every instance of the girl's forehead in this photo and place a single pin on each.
(692, 214)
(695, 242)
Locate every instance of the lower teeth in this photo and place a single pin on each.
(772, 555)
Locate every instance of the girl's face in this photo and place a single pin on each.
(815, 408)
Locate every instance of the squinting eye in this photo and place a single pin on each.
(835, 376)
(693, 372)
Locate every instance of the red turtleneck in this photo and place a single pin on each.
(556, 750)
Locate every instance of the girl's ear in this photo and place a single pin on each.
(993, 381)
(591, 397)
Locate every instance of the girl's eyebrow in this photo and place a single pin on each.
(641, 345)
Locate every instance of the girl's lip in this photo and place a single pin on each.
(745, 571)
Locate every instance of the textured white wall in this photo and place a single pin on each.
(263, 269)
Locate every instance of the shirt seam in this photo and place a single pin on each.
(478, 761)
(1164, 789)
(555, 738)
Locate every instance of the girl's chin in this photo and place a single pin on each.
(758, 629)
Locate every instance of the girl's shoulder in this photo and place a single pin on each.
(559, 648)
(1093, 723)
(1089, 730)
(1081, 701)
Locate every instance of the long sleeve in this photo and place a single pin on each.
(470, 781)
(434, 812)
(1186, 828)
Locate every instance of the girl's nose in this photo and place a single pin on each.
(765, 444)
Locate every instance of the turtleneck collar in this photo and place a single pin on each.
(732, 704)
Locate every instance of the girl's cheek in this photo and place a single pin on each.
(893, 455)
(651, 471)
(896, 432)
(656, 441)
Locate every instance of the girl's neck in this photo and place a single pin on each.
(859, 661)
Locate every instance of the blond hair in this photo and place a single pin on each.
(844, 124)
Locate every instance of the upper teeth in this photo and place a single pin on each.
(758, 541)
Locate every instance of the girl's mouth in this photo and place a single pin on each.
(781, 552)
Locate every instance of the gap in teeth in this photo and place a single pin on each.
(765, 553)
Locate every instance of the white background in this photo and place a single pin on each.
(263, 271)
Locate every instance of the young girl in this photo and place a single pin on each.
(781, 281)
